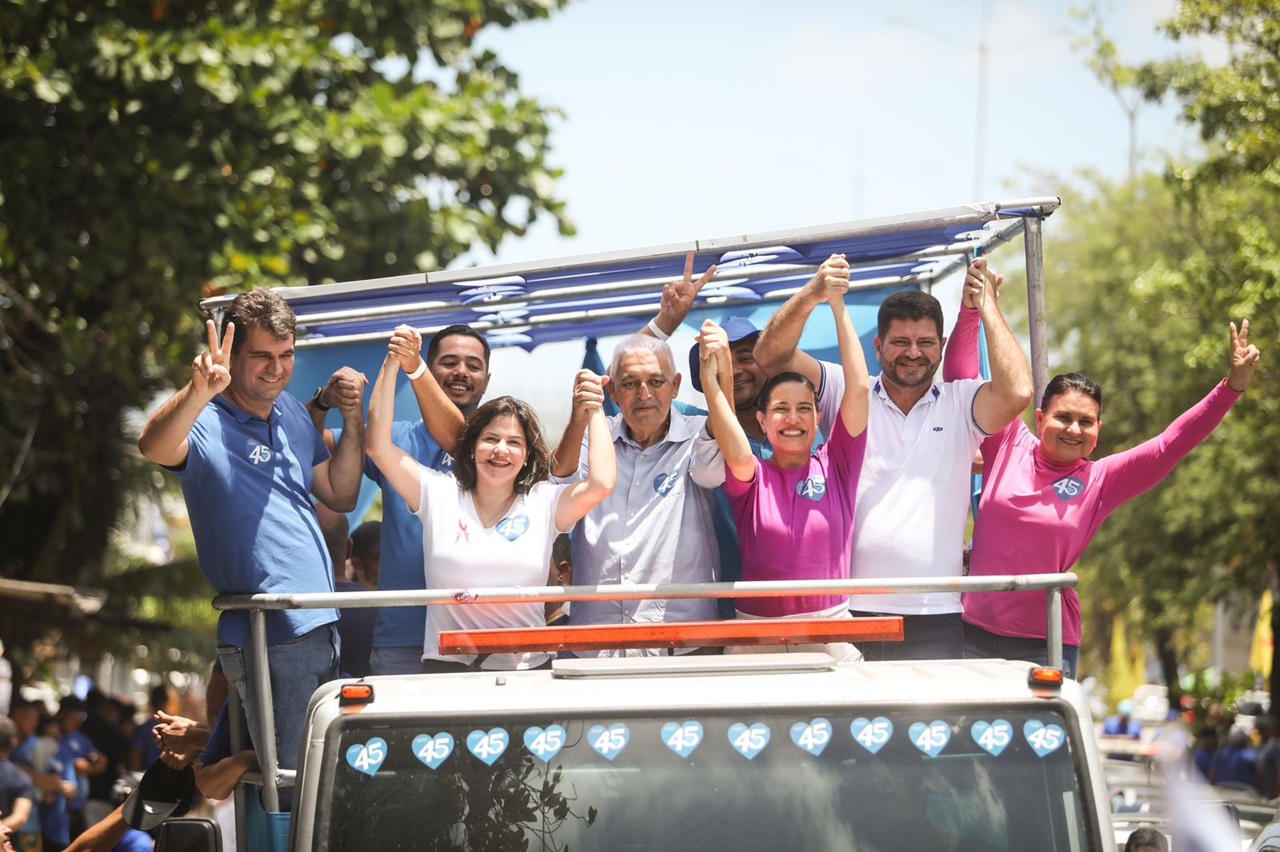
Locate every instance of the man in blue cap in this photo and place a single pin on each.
(749, 379)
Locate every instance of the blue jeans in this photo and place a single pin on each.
(982, 644)
(924, 637)
(297, 669)
(396, 661)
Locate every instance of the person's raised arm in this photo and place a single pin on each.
(962, 358)
(337, 479)
(18, 814)
(677, 300)
(1140, 468)
(568, 453)
(855, 403)
(722, 421)
(778, 347)
(1008, 393)
(164, 437)
(443, 419)
(602, 463)
(400, 468)
(102, 836)
(219, 780)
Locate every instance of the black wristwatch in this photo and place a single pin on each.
(315, 400)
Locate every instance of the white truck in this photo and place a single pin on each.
(737, 752)
(745, 751)
(741, 752)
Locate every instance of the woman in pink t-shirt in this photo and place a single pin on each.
(794, 511)
(1043, 499)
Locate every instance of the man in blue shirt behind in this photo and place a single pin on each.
(458, 360)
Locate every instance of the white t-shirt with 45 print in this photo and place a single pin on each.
(461, 553)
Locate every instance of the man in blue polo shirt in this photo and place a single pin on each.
(458, 360)
(248, 456)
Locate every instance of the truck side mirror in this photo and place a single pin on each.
(189, 835)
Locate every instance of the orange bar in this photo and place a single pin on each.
(684, 634)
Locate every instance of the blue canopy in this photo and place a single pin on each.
(605, 295)
(602, 295)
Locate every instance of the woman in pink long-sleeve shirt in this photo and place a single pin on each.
(1043, 499)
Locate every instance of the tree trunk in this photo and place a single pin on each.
(1168, 654)
(1273, 682)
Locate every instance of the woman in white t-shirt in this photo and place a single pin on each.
(493, 520)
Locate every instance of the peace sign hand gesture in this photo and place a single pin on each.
(1244, 357)
(211, 370)
(678, 296)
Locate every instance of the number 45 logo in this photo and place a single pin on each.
(1068, 488)
(258, 453)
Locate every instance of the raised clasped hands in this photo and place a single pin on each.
(345, 391)
(588, 394)
(831, 282)
(713, 345)
(405, 346)
(980, 280)
(1244, 357)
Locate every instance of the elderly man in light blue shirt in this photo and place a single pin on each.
(656, 527)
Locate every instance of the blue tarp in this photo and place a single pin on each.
(601, 295)
(605, 295)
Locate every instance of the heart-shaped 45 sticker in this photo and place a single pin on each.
(931, 738)
(488, 746)
(749, 740)
(367, 757)
(544, 743)
(432, 750)
(610, 741)
(871, 734)
(992, 736)
(682, 737)
(1043, 739)
(812, 736)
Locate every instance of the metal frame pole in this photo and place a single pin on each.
(268, 761)
(239, 742)
(1054, 616)
(1033, 246)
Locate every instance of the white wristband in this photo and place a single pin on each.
(657, 332)
(417, 374)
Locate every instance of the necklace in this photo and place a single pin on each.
(492, 519)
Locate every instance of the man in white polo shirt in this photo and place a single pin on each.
(921, 439)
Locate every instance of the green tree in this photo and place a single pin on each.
(1234, 198)
(1158, 267)
(154, 152)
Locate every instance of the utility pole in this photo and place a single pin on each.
(980, 121)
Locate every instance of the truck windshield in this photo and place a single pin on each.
(944, 779)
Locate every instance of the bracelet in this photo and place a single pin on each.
(657, 332)
(315, 399)
(417, 373)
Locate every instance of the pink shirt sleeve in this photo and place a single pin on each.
(962, 359)
(1140, 469)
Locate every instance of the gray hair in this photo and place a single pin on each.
(635, 343)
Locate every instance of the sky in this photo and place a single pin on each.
(700, 118)
(691, 119)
